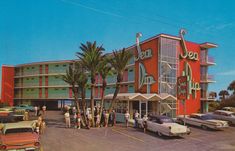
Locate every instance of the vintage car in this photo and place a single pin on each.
(19, 136)
(25, 107)
(10, 114)
(203, 120)
(163, 125)
(224, 115)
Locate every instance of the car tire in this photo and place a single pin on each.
(159, 134)
(230, 123)
(181, 122)
(204, 127)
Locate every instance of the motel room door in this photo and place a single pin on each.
(143, 108)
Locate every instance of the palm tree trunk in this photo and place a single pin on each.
(77, 103)
(84, 104)
(92, 103)
(114, 96)
(102, 99)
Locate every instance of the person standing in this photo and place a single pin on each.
(127, 117)
(145, 118)
(36, 110)
(67, 119)
(75, 120)
(106, 118)
(79, 121)
(136, 116)
(44, 111)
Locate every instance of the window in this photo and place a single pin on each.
(64, 65)
(32, 67)
(57, 65)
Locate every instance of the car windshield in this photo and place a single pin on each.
(206, 117)
(167, 120)
(18, 130)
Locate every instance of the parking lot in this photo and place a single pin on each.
(119, 138)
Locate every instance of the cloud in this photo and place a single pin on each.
(219, 26)
(227, 73)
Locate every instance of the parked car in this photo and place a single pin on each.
(25, 107)
(163, 125)
(6, 115)
(224, 115)
(19, 136)
(10, 114)
(231, 109)
(203, 120)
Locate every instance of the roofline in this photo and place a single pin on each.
(46, 62)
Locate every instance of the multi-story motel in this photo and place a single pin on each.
(149, 83)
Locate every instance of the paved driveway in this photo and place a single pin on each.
(58, 138)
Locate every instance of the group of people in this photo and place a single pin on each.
(136, 117)
(37, 110)
(103, 119)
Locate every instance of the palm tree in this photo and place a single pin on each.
(104, 70)
(223, 93)
(71, 77)
(76, 77)
(119, 62)
(231, 86)
(212, 94)
(82, 84)
(90, 57)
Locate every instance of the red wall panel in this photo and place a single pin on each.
(8, 73)
(192, 104)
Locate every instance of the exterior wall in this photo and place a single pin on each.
(7, 84)
(193, 103)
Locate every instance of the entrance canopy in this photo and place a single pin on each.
(140, 96)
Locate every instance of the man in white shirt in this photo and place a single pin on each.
(127, 117)
(136, 116)
(67, 119)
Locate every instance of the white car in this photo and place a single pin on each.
(163, 125)
(224, 115)
(204, 121)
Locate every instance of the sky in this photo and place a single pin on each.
(33, 30)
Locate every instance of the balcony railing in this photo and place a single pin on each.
(207, 77)
(207, 60)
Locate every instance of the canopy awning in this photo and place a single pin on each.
(139, 96)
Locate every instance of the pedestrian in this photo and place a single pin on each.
(26, 116)
(106, 118)
(42, 127)
(67, 119)
(98, 120)
(127, 117)
(136, 117)
(36, 110)
(79, 121)
(145, 118)
(102, 120)
(75, 120)
(44, 111)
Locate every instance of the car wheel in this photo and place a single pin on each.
(181, 122)
(159, 134)
(230, 123)
(204, 127)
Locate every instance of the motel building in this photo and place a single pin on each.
(149, 84)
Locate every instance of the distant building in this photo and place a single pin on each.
(154, 69)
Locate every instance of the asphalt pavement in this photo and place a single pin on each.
(119, 138)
